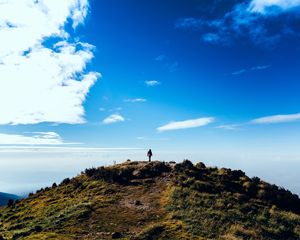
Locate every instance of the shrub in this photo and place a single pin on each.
(224, 171)
(203, 187)
(76, 183)
(262, 194)
(185, 165)
(256, 180)
(151, 233)
(236, 174)
(250, 188)
(38, 228)
(231, 186)
(10, 203)
(153, 169)
(90, 171)
(66, 181)
(109, 174)
(200, 165)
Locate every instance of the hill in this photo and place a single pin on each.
(157, 200)
(4, 197)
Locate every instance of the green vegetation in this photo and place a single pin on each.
(145, 201)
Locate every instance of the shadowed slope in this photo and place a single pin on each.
(4, 197)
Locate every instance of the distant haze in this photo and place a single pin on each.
(42, 167)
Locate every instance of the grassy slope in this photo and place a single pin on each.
(155, 201)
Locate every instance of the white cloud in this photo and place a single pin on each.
(261, 67)
(261, 6)
(276, 119)
(42, 69)
(136, 100)
(35, 138)
(264, 120)
(113, 118)
(229, 126)
(152, 83)
(255, 68)
(193, 123)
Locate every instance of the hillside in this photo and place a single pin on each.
(4, 197)
(157, 200)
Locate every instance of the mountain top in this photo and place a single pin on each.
(155, 200)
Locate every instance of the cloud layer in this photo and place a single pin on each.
(42, 68)
(263, 22)
(35, 138)
(193, 123)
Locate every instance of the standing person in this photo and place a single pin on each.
(149, 154)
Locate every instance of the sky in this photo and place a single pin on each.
(92, 82)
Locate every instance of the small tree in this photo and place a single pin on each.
(10, 203)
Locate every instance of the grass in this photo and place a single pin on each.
(140, 200)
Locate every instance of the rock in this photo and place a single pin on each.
(137, 203)
(116, 235)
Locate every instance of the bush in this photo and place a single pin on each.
(90, 171)
(151, 233)
(66, 181)
(76, 183)
(110, 174)
(250, 188)
(203, 187)
(185, 165)
(152, 169)
(237, 174)
(256, 180)
(10, 203)
(38, 228)
(262, 194)
(200, 165)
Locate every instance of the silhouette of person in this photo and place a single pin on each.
(149, 154)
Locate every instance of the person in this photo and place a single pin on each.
(149, 154)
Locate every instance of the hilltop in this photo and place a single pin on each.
(156, 200)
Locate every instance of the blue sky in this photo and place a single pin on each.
(216, 81)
